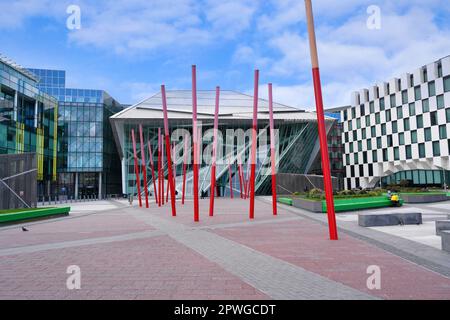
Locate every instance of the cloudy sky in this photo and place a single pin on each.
(130, 47)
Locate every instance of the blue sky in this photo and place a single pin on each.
(130, 47)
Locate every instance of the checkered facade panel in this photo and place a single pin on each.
(403, 124)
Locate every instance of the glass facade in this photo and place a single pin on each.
(28, 123)
(418, 178)
(88, 163)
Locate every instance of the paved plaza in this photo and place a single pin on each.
(127, 252)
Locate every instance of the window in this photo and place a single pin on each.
(414, 136)
(350, 125)
(411, 80)
(404, 97)
(353, 113)
(345, 115)
(425, 106)
(436, 149)
(372, 107)
(399, 112)
(355, 157)
(447, 114)
(388, 115)
(417, 93)
(401, 139)
(392, 97)
(408, 152)
(351, 147)
(412, 109)
(431, 89)
(439, 69)
(385, 155)
(396, 154)
(447, 84)
(364, 157)
(374, 156)
(383, 129)
(369, 144)
(419, 121)
(421, 150)
(347, 159)
(389, 140)
(394, 127)
(443, 132)
(358, 123)
(355, 135)
(373, 130)
(379, 142)
(382, 104)
(433, 118)
(367, 121)
(427, 134)
(406, 126)
(359, 145)
(440, 101)
(377, 118)
(364, 135)
(425, 74)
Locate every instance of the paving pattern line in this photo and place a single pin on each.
(248, 223)
(79, 243)
(276, 278)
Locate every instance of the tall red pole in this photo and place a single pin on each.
(152, 166)
(253, 149)
(169, 158)
(174, 170)
(184, 167)
(214, 154)
(230, 177)
(143, 164)
(195, 142)
(321, 123)
(240, 177)
(160, 192)
(272, 153)
(163, 171)
(136, 168)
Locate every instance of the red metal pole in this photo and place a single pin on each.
(230, 177)
(152, 166)
(195, 142)
(272, 153)
(214, 154)
(174, 170)
(160, 192)
(240, 178)
(136, 168)
(169, 158)
(144, 164)
(321, 124)
(184, 167)
(253, 153)
(163, 172)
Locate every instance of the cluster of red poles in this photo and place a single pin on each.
(246, 183)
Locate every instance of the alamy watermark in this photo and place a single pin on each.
(374, 280)
(73, 21)
(374, 20)
(73, 282)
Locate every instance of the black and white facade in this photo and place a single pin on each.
(400, 130)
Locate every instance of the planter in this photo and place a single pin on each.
(423, 197)
(310, 205)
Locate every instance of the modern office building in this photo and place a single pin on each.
(400, 130)
(297, 137)
(88, 163)
(29, 122)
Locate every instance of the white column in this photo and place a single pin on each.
(100, 186)
(36, 104)
(16, 104)
(124, 175)
(76, 185)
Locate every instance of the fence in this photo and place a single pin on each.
(18, 181)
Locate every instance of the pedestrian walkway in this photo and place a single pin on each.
(137, 253)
